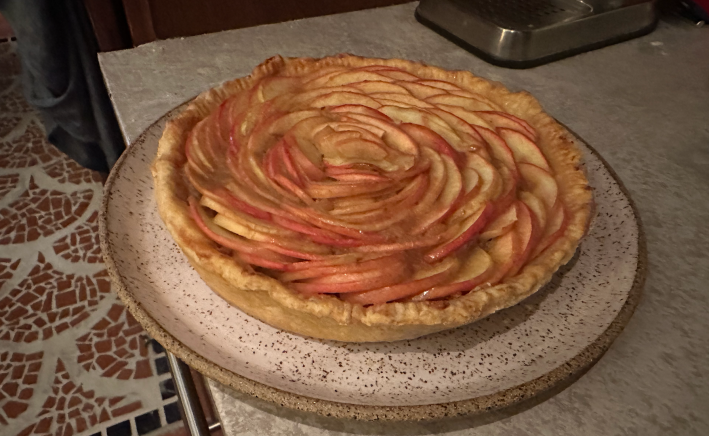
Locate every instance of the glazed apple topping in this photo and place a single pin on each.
(372, 184)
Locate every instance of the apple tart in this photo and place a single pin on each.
(361, 199)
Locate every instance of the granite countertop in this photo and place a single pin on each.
(643, 104)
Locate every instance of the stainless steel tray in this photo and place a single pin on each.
(527, 33)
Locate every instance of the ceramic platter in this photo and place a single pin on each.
(531, 349)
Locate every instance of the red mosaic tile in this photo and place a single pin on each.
(18, 377)
(38, 301)
(115, 358)
(82, 245)
(65, 170)
(27, 146)
(69, 406)
(12, 101)
(8, 182)
(43, 192)
(7, 266)
(40, 212)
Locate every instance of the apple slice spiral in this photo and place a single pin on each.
(372, 184)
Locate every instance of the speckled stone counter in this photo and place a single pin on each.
(643, 104)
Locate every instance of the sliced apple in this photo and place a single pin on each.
(523, 148)
(339, 98)
(474, 270)
(397, 74)
(504, 252)
(427, 137)
(528, 235)
(198, 147)
(484, 102)
(294, 189)
(490, 180)
(502, 224)
(469, 117)
(410, 194)
(501, 119)
(556, 226)
(537, 207)
(509, 189)
(440, 84)
(446, 200)
(394, 136)
(334, 190)
(337, 264)
(359, 109)
(498, 148)
(464, 232)
(274, 86)
(374, 87)
(422, 280)
(471, 180)
(316, 234)
(384, 278)
(310, 169)
(321, 75)
(406, 99)
(460, 101)
(437, 178)
(285, 122)
(540, 183)
(352, 150)
(260, 256)
(248, 223)
(349, 77)
(420, 90)
(462, 128)
(421, 117)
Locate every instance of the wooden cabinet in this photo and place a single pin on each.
(128, 23)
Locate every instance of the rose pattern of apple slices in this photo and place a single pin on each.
(372, 184)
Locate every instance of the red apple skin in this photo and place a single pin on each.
(309, 169)
(291, 170)
(501, 224)
(312, 269)
(359, 109)
(498, 148)
(501, 119)
(540, 183)
(246, 250)
(556, 226)
(396, 292)
(504, 252)
(259, 261)
(472, 231)
(387, 278)
(427, 137)
(523, 149)
(441, 291)
(528, 234)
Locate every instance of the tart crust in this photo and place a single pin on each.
(328, 317)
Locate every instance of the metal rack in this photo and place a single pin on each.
(190, 406)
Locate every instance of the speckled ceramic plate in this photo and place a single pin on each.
(542, 343)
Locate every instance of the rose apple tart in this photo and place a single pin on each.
(370, 200)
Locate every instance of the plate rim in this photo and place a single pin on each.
(506, 402)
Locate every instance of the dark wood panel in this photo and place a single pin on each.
(109, 24)
(140, 20)
(172, 18)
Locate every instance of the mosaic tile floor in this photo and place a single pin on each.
(73, 361)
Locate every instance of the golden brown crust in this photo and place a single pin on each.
(328, 317)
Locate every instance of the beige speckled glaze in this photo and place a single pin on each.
(522, 352)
